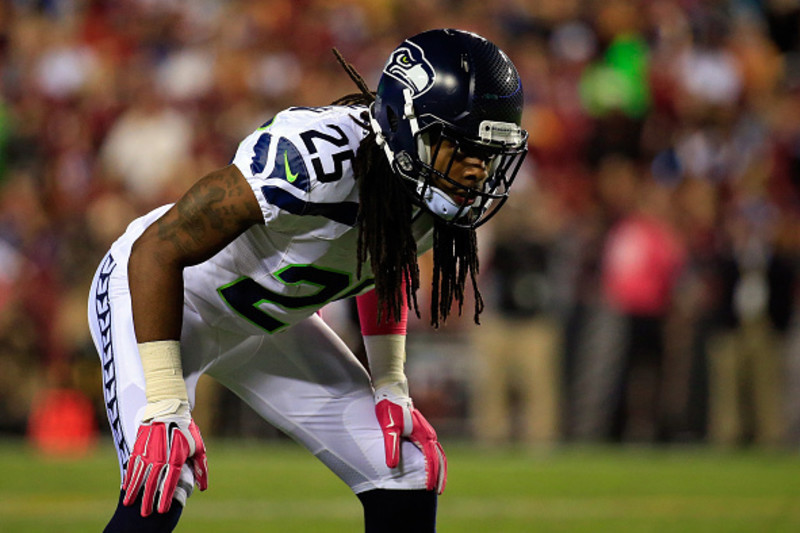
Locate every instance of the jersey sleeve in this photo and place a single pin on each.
(252, 158)
(299, 166)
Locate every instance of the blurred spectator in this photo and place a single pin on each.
(643, 260)
(146, 146)
(756, 281)
(516, 375)
(617, 347)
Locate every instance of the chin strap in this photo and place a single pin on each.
(408, 114)
(438, 202)
(380, 138)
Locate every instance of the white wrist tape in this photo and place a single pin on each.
(387, 357)
(163, 376)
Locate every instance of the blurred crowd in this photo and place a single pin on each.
(645, 265)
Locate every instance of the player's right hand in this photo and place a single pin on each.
(399, 419)
(163, 445)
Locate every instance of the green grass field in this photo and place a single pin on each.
(278, 487)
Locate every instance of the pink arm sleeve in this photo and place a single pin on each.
(368, 316)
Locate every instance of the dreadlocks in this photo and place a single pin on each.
(386, 239)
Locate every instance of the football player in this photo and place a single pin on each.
(318, 204)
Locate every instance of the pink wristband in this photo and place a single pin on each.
(368, 316)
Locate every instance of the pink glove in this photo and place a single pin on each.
(398, 418)
(160, 451)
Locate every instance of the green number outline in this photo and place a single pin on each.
(270, 324)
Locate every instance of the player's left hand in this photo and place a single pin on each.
(163, 445)
(399, 418)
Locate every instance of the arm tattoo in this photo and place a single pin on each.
(210, 215)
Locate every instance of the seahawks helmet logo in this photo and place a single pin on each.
(408, 65)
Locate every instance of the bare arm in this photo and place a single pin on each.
(212, 213)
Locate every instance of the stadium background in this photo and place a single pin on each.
(647, 259)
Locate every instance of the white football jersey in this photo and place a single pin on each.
(300, 168)
(305, 381)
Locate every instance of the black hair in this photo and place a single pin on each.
(385, 238)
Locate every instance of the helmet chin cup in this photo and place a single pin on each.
(439, 203)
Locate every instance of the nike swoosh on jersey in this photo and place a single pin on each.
(290, 176)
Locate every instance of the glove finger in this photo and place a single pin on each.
(424, 437)
(178, 455)
(134, 472)
(153, 477)
(391, 446)
(422, 429)
(431, 455)
(167, 488)
(442, 469)
(432, 464)
(390, 419)
(200, 470)
(128, 473)
(435, 465)
(133, 480)
(199, 445)
(199, 461)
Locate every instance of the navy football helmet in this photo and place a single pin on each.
(455, 87)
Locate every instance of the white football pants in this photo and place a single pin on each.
(303, 380)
